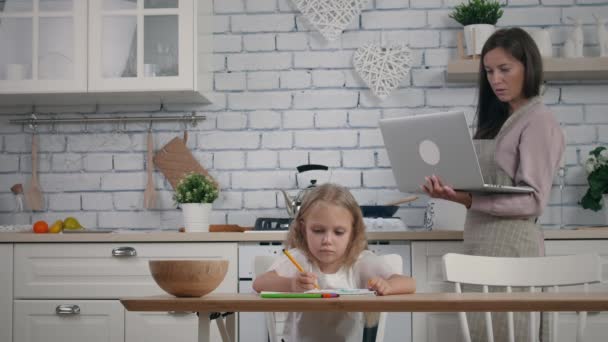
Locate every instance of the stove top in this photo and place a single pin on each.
(373, 224)
(384, 224)
(271, 223)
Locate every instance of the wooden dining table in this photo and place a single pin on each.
(207, 305)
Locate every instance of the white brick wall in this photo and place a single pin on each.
(284, 96)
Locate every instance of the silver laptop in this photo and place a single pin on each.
(436, 144)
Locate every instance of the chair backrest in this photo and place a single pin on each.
(262, 263)
(549, 271)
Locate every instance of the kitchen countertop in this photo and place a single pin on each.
(173, 236)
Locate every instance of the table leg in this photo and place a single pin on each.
(204, 327)
(231, 326)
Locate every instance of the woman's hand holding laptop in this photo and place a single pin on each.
(434, 187)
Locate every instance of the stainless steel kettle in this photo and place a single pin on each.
(293, 204)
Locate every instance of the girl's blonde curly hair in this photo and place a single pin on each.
(336, 195)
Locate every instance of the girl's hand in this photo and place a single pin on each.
(434, 187)
(380, 285)
(303, 281)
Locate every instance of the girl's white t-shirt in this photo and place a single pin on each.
(330, 326)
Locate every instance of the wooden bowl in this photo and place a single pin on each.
(188, 278)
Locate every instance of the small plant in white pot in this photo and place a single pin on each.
(194, 194)
(478, 18)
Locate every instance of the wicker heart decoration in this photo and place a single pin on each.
(382, 68)
(330, 17)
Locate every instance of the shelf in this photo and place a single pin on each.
(119, 98)
(556, 69)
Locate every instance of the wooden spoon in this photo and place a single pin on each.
(150, 191)
(403, 200)
(33, 195)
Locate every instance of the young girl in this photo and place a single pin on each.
(327, 238)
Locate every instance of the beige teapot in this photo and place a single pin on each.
(293, 203)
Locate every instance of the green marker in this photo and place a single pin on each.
(297, 295)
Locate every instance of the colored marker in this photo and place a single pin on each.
(297, 295)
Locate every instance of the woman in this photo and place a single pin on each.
(518, 142)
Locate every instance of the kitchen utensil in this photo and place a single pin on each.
(17, 190)
(33, 195)
(174, 160)
(150, 191)
(387, 210)
(293, 204)
(232, 228)
(442, 214)
(188, 278)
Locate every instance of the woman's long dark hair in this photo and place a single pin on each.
(491, 112)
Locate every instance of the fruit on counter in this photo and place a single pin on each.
(71, 223)
(56, 227)
(40, 227)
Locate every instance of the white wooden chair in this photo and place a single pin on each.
(262, 263)
(549, 271)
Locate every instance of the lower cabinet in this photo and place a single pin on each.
(427, 269)
(6, 292)
(597, 322)
(71, 292)
(161, 326)
(80, 320)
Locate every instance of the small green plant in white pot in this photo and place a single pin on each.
(478, 18)
(194, 194)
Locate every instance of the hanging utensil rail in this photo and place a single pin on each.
(33, 120)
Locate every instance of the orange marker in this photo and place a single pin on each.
(293, 261)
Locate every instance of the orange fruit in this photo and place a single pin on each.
(41, 227)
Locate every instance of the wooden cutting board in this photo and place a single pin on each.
(175, 160)
(223, 228)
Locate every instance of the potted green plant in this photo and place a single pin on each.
(194, 194)
(478, 18)
(597, 178)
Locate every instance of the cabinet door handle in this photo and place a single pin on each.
(124, 252)
(67, 309)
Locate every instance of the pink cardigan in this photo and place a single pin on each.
(529, 152)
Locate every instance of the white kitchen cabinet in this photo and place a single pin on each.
(43, 46)
(83, 320)
(427, 269)
(70, 273)
(105, 51)
(161, 326)
(6, 292)
(597, 323)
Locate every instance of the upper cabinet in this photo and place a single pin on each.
(43, 46)
(105, 51)
(555, 69)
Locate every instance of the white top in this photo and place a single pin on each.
(328, 326)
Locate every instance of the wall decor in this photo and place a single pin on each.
(542, 38)
(382, 68)
(602, 35)
(573, 47)
(330, 17)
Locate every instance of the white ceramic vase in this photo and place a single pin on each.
(542, 38)
(196, 216)
(481, 32)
